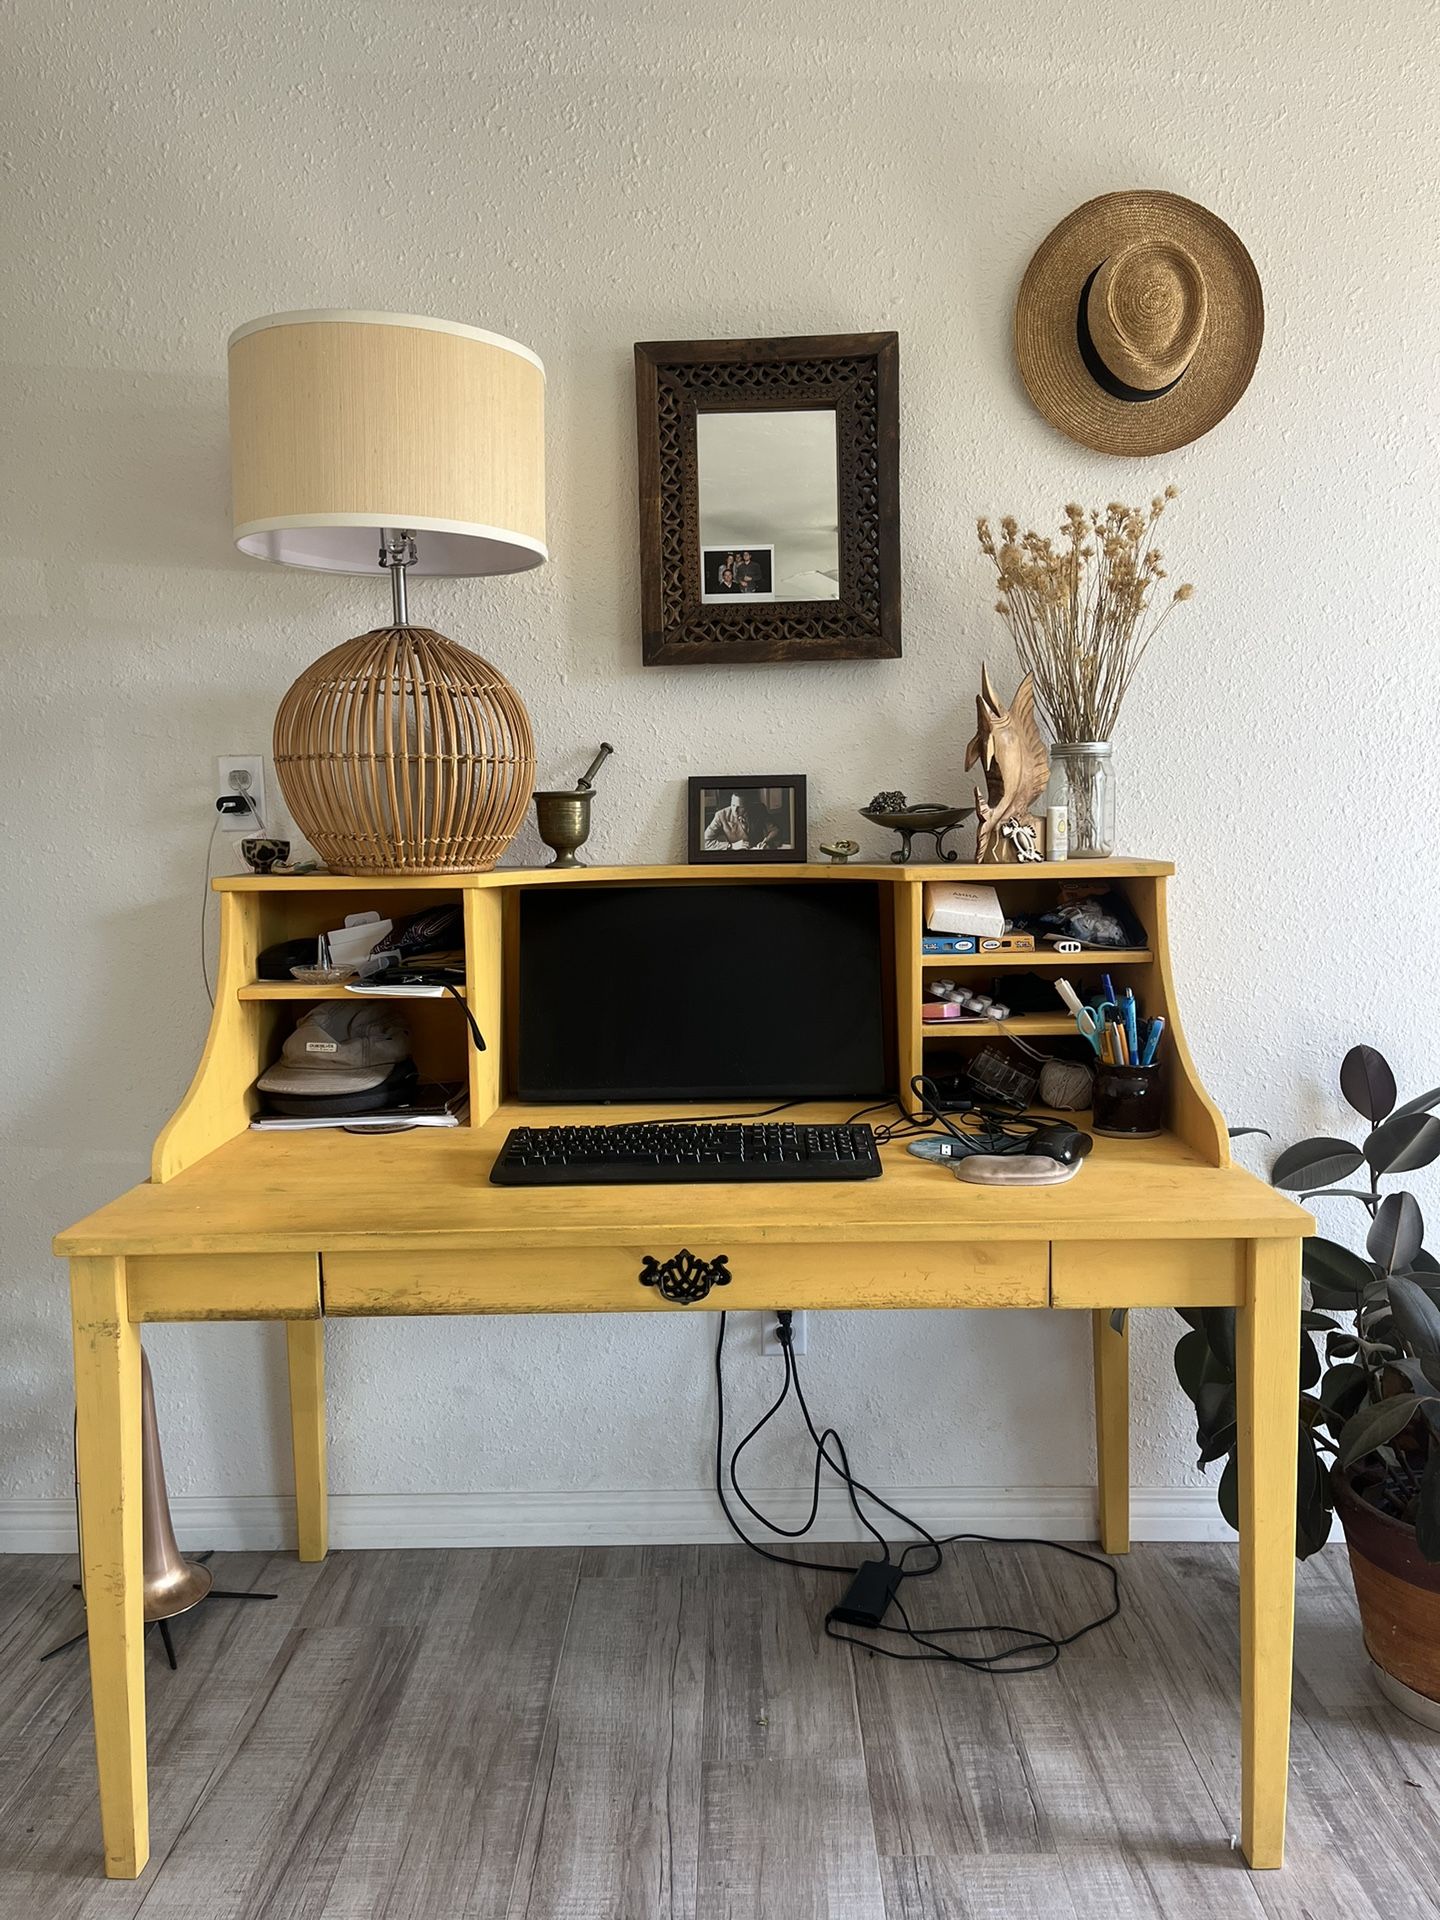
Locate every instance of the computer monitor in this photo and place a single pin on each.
(715, 991)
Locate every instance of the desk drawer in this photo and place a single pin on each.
(223, 1286)
(607, 1279)
(1148, 1273)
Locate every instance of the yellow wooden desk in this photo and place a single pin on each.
(303, 1227)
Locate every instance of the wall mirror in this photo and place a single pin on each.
(769, 499)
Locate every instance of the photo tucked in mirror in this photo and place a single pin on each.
(769, 505)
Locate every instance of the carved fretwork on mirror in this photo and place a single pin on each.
(769, 499)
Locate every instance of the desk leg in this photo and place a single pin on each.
(107, 1456)
(1112, 1430)
(1267, 1374)
(305, 1347)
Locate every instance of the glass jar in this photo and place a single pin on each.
(1083, 782)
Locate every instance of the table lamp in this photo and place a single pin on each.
(360, 440)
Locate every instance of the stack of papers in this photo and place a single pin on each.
(436, 1104)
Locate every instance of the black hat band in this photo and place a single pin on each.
(1096, 367)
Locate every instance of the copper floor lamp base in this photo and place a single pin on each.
(166, 1638)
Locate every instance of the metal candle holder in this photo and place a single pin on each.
(563, 815)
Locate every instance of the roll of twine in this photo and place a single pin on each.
(1066, 1085)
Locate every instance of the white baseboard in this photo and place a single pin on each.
(627, 1517)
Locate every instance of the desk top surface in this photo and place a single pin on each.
(335, 1191)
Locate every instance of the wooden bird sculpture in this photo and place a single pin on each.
(1017, 769)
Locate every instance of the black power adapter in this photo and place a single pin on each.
(868, 1598)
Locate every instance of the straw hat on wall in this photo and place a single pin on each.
(1138, 323)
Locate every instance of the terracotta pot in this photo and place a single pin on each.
(1398, 1589)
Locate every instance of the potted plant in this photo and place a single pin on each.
(1369, 1409)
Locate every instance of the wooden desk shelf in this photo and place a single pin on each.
(252, 1016)
(1043, 957)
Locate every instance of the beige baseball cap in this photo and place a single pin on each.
(338, 1049)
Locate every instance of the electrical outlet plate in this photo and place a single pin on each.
(229, 765)
(770, 1339)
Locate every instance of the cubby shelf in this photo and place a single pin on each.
(311, 990)
(1021, 1023)
(1044, 956)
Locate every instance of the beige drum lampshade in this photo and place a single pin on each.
(343, 423)
(400, 751)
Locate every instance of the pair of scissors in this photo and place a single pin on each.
(1090, 1017)
(1092, 1021)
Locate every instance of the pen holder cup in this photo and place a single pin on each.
(1129, 1102)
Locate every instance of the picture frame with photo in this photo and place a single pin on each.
(737, 573)
(738, 819)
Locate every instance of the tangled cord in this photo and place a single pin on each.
(1031, 1649)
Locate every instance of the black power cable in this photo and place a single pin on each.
(1031, 1649)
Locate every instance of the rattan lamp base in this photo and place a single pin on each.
(401, 752)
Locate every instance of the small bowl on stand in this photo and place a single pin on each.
(926, 816)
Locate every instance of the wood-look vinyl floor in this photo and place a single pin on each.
(630, 1733)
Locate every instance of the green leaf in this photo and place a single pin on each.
(1311, 1322)
(1405, 1142)
(1367, 1083)
(1219, 1325)
(1215, 1404)
(1375, 1423)
(1239, 1133)
(1117, 1319)
(1227, 1494)
(1427, 1509)
(1325, 1263)
(1339, 1346)
(1309, 1365)
(1190, 1352)
(1191, 1316)
(1315, 1163)
(1312, 1502)
(1216, 1420)
(1221, 1442)
(1342, 1380)
(1425, 1384)
(1422, 1103)
(1396, 1232)
(1416, 1317)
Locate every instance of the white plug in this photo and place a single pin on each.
(242, 773)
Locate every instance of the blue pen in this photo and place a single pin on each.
(1109, 985)
(1152, 1040)
(1127, 1013)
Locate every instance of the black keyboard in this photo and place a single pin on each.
(648, 1153)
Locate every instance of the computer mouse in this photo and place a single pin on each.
(1061, 1142)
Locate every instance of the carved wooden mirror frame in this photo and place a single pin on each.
(856, 374)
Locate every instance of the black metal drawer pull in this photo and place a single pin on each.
(685, 1278)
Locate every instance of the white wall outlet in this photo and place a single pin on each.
(242, 773)
(770, 1337)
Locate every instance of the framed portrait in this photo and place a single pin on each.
(741, 818)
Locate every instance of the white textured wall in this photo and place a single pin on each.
(561, 174)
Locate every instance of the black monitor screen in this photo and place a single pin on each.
(715, 991)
